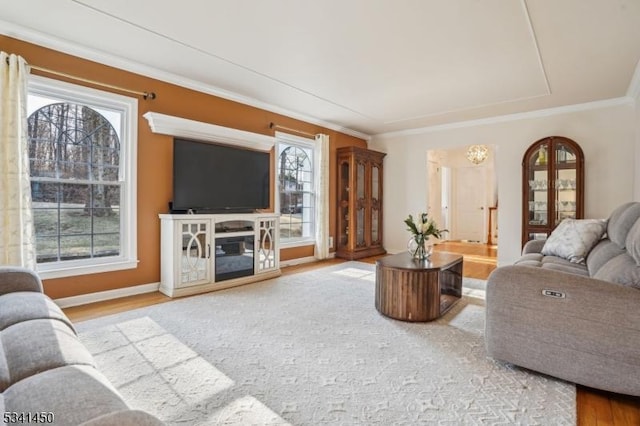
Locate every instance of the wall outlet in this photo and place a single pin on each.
(330, 242)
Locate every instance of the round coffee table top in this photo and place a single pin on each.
(404, 260)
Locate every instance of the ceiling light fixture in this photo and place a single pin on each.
(477, 153)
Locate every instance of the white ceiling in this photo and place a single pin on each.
(372, 66)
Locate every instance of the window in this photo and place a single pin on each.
(296, 192)
(82, 145)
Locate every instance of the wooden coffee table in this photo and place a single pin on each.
(408, 289)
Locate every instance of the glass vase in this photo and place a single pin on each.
(419, 247)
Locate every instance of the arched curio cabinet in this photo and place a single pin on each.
(552, 186)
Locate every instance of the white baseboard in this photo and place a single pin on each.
(83, 299)
(301, 260)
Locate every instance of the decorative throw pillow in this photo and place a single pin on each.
(573, 239)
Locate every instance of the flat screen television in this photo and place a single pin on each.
(211, 178)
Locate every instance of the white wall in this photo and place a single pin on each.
(605, 131)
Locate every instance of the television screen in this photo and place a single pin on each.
(210, 178)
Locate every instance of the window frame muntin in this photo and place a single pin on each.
(127, 107)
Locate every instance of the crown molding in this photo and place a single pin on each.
(191, 129)
(547, 112)
(32, 36)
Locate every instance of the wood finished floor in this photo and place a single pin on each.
(595, 408)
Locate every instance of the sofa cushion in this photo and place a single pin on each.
(622, 269)
(574, 238)
(604, 251)
(28, 305)
(621, 221)
(552, 262)
(569, 268)
(564, 265)
(530, 259)
(31, 347)
(74, 393)
(633, 242)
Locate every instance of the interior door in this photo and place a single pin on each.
(435, 192)
(469, 210)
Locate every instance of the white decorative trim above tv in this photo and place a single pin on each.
(206, 132)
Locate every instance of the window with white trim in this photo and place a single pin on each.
(82, 149)
(296, 189)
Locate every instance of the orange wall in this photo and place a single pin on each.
(155, 156)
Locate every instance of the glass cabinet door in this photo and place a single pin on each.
(375, 204)
(195, 260)
(538, 175)
(343, 204)
(265, 248)
(565, 182)
(360, 204)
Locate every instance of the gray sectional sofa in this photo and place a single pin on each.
(45, 371)
(576, 321)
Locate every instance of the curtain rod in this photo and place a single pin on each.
(273, 125)
(145, 95)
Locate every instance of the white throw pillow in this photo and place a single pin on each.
(573, 239)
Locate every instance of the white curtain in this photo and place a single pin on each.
(321, 250)
(17, 238)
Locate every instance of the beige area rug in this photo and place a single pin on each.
(310, 349)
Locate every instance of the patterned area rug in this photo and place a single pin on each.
(309, 349)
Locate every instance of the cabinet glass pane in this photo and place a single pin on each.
(538, 187)
(538, 236)
(194, 252)
(565, 183)
(360, 181)
(565, 154)
(266, 253)
(375, 191)
(541, 157)
(360, 227)
(344, 183)
(344, 232)
(374, 226)
(537, 195)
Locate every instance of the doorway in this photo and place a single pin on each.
(466, 194)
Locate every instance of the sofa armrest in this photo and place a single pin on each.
(533, 246)
(591, 297)
(586, 331)
(15, 278)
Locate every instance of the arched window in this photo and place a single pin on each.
(296, 190)
(74, 160)
(81, 201)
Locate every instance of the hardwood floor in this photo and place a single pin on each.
(593, 407)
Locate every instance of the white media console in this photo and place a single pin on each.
(206, 252)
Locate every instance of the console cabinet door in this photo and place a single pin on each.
(266, 250)
(193, 255)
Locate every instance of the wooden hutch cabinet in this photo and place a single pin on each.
(552, 186)
(359, 203)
